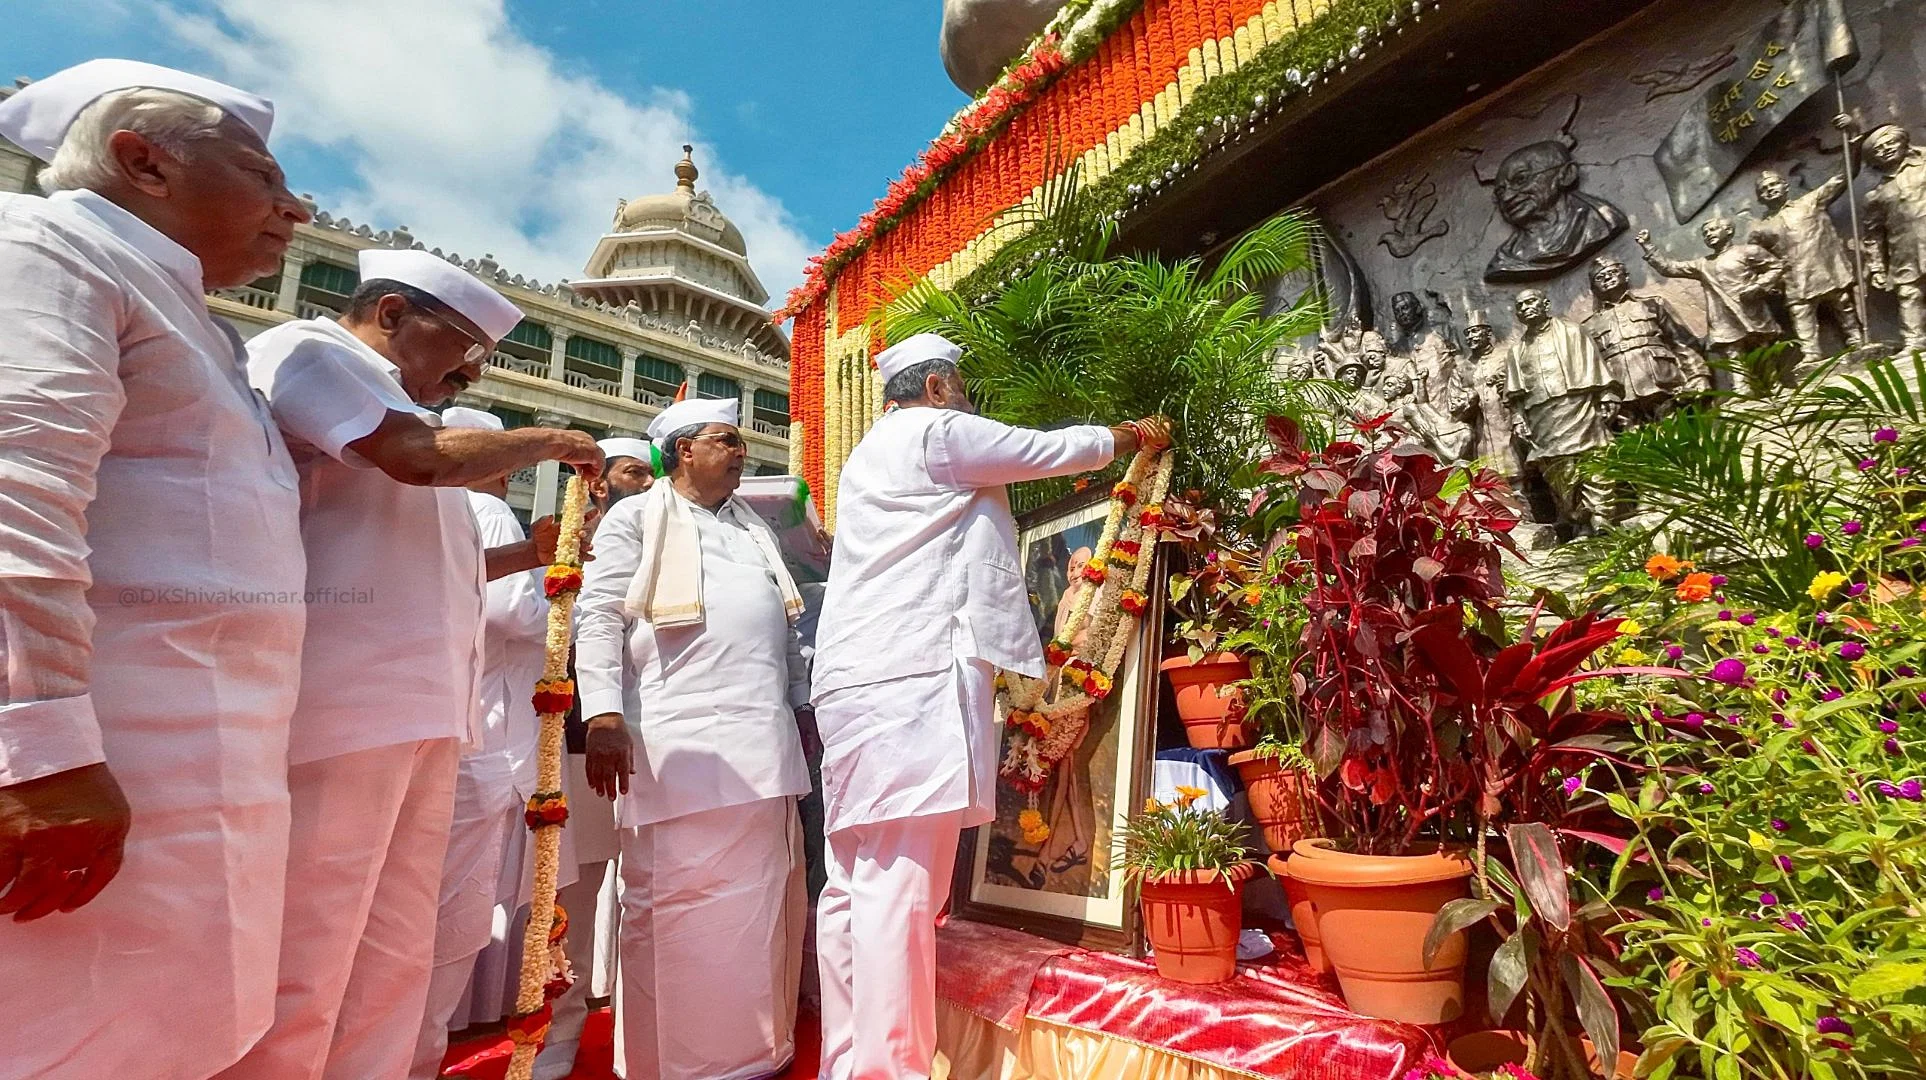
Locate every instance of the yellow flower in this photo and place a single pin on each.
(1824, 584)
(1633, 658)
(1631, 627)
(1151, 806)
(1033, 827)
(1188, 795)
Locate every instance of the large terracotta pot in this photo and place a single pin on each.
(1212, 714)
(1193, 920)
(1284, 801)
(1303, 915)
(1482, 1051)
(1373, 912)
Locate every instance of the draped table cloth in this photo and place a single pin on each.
(1081, 1011)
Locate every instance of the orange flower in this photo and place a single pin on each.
(1695, 588)
(1663, 567)
(1187, 795)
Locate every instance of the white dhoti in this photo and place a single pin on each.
(892, 854)
(486, 814)
(365, 851)
(713, 905)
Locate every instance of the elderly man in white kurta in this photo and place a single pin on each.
(496, 776)
(150, 582)
(391, 669)
(690, 671)
(924, 603)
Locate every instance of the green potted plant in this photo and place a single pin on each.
(1190, 865)
(1211, 600)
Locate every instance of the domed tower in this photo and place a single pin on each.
(678, 258)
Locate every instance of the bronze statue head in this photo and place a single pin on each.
(1532, 307)
(1533, 180)
(1408, 311)
(1771, 188)
(1886, 146)
(1717, 232)
(1609, 279)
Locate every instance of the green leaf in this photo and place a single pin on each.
(1452, 918)
(1778, 1011)
(1595, 1009)
(1507, 974)
(1885, 979)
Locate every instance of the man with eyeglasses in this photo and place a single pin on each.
(391, 664)
(692, 676)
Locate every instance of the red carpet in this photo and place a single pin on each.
(486, 1058)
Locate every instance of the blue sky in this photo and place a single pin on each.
(511, 127)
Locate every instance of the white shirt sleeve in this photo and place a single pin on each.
(60, 397)
(516, 609)
(322, 394)
(601, 624)
(966, 451)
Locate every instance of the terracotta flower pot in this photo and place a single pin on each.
(1284, 801)
(1482, 1051)
(1303, 916)
(1212, 714)
(1193, 920)
(1373, 912)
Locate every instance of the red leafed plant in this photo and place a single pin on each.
(1430, 725)
(1384, 544)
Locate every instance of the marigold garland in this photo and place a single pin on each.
(1048, 715)
(544, 957)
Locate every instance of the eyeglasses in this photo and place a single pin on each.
(476, 353)
(729, 439)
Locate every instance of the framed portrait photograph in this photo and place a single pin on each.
(1057, 881)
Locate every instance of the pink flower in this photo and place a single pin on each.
(1852, 650)
(1886, 435)
(1814, 540)
(1729, 671)
(1868, 464)
(1793, 921)
(1852, 528)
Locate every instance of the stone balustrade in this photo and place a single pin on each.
(764, 427)
(589, 382)
(264, 299)
(537, 368)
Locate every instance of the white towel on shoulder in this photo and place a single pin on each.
(666, 590)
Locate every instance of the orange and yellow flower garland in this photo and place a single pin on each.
(545, 974)
(1048, 715)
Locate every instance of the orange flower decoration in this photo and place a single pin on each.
(1133, 601)
(1055, 653)
(1663, 567)
(1097, 685)
(1094, 571)
(546, 808)
(529, 1029)
(560, 580)
(1695, 587)
(1124, 493)
(554, 695)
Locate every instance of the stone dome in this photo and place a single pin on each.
(683, 209)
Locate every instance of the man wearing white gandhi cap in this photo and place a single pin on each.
(150, 582)
(925, 601)
(392, 661)
(691, 675)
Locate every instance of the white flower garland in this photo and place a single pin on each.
(1053, 712)
(545, 974)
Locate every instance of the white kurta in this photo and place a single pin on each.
(493, 784)
(926, 574)
(710, 707)
(149, 521)
(390, 679)
(711, 858)
(924, 601)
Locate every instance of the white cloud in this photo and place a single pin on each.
(469, 134)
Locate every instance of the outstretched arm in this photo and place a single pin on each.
(969, 451)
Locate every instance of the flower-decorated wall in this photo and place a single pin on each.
(1112, 91)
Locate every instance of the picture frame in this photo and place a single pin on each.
(1064, 888)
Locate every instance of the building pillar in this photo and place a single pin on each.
(628, 373)
(288, 300)
(548, 474)
(558, 354)
(690, 373)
